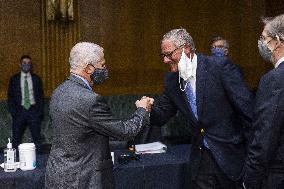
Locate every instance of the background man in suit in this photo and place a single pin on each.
(265, 160)
(25, 103)
(216, 102)
(219, 46)
(82, 124)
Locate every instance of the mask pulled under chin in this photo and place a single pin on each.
(185, 68)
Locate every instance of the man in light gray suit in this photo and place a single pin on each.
(82, 124)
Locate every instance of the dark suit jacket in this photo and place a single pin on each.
(82, 124)
(267, 148)
(15, 95)
(224, 108)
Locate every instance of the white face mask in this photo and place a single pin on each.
(185, 66)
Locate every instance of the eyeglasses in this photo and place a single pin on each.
(263, 38)
(219, 46)
(170, 54)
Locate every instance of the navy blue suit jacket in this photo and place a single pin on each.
(15, 95)
(267, 148)
(224, 108)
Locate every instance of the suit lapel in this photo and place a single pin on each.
(34, 81)
(200, 83)
(18, 82)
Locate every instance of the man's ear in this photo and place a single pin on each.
(89, 69)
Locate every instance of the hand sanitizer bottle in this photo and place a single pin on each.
(10, 158)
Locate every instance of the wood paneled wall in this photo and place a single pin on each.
(130, 32)
(20, 33)
(57, 40)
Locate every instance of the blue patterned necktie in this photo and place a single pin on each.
(191, 99)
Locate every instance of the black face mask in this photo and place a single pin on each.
(99, 76)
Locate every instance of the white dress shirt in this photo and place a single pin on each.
(279, 62)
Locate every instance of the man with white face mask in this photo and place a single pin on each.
(264, 167)
(212, 95)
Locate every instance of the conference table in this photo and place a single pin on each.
(152, 171)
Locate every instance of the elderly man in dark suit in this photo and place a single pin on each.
(264, 166)
(82, 124)
(212, 95)
(25, 103)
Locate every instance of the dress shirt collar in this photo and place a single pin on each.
(84, 80)
(23, 74)
(279, 62)
(194, 62)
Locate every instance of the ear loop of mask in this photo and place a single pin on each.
(179, 81)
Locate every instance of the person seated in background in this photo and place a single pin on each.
(82, 124)
(25, 103)
(219, 46)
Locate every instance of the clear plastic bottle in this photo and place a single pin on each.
(10, 158)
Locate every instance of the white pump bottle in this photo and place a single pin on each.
(10, 158)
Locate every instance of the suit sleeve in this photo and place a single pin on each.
(11, 98)
(268, 123)
(162, 111)
(105, 123)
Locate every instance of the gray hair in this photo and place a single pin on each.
(219, 38)
(84, 53)
(275, 26)
(179, 37)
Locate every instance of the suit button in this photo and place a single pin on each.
(202, 130)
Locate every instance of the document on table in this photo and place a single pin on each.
(150, 148)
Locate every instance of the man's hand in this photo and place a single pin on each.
(145, 102)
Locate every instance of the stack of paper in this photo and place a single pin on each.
(151, 148)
